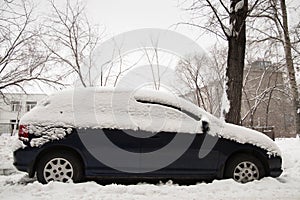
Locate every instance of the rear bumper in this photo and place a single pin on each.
(24, 160)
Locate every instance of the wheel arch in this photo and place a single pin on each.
(58, 148)
(251, 152)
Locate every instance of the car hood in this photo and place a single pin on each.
(248, 136)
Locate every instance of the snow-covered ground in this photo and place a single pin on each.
(16, 186)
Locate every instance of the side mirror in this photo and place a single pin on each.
(205, 126)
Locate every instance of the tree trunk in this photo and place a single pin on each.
(290, 65)
(235, 62)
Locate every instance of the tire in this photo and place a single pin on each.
(59, 166)
(244, 168)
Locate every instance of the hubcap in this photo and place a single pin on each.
(245, 172)
(58, 169)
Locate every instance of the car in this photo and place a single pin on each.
(106, 133)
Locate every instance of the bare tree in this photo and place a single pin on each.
(191, 71)
(204, 77)
(71, 39)
(295, 32)
(228, 23)
(153, 58)
(295, 43)
(290, 64)
(21, 58)
(112, 71)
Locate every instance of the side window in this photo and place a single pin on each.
(161, 117)
(191, 115)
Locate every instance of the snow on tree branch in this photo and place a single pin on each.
(239, 6)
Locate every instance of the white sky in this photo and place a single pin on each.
(126, 15)
(118, 16)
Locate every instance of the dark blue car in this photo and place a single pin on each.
(147, 135)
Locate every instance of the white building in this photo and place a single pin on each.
(13, 107)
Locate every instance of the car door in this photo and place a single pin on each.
(113, 150)
(165, 151)
(179, 153)
(192, 154)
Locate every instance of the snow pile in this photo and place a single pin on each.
(136, 110)
(8, 144)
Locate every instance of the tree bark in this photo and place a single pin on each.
(235, 61)
(290, 65)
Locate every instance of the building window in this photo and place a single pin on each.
(262, 64)
(30, 105)
(16, 106)
(14, 125)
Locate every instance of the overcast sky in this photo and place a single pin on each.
(118, 16)
(126, 15)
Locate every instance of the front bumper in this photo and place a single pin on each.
(275, 165)
(276, 173)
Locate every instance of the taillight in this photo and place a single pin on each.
(23, 133)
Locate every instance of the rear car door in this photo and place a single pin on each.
(113, 150)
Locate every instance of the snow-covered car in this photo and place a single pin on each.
(108, 133)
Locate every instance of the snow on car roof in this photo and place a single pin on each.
(111, 108)
(147, 110)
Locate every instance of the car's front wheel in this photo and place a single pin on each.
(59, 166)
(244, 168)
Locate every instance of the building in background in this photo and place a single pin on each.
(266, 102)
(13, 107)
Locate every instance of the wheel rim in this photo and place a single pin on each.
(245, 172)
(58, 169)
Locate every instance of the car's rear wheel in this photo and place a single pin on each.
(59, 166)
(244, 168)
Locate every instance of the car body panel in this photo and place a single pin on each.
(188, 165)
